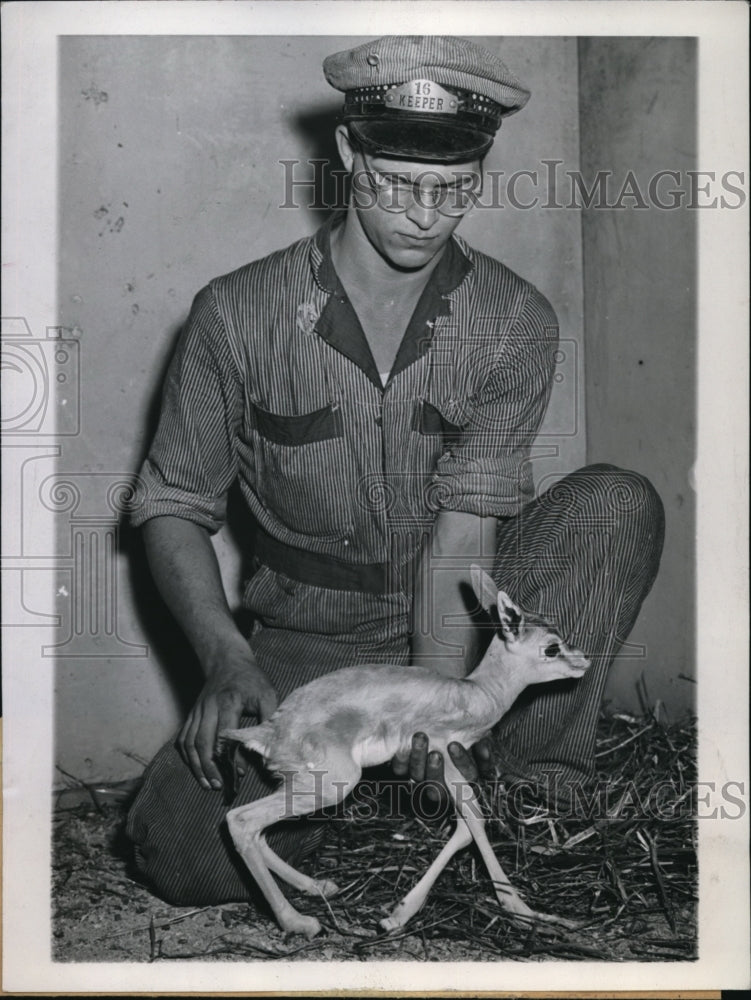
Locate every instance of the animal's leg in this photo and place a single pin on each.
(469, 808)
(302, 793)
(246, 824)
(314, 886)
(307, 792)
(415, 898)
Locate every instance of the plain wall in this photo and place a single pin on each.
(170, 175)
(638, 113)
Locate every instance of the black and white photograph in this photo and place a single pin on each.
(375, 494)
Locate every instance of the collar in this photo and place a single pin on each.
(340, 327)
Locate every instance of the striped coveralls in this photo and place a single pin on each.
(273, 386)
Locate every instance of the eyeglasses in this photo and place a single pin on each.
(395, 193)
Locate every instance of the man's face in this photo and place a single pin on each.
(408, 210)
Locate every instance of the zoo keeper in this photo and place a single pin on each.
(374, 390)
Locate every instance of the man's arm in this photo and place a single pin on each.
(444, 636)
(186, 571)
(487, 475)
(451, 647)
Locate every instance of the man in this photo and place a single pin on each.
(375, 390)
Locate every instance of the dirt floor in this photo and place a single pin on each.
(625, 873)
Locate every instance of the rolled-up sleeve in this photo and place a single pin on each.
(487, 471)
(192, 461)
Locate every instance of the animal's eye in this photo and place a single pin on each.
(552, 650)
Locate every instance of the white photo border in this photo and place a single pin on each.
(721, 477)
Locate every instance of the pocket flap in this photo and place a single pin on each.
(430, 420)
(297, 429)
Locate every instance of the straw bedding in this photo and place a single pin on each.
(622, 865)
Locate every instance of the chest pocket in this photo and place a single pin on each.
(303, 470)
(429, 421)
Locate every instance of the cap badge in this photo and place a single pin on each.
(422, 95)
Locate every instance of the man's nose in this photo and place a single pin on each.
(422, 210)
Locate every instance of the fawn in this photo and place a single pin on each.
(325, 732)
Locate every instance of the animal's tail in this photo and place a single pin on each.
(252, 738)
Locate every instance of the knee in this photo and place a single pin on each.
(618, 496)
(158, 861)
(631, 513)
(183, 864)
(234, 822)
(633, 489)
(605, 502)
(241, 827)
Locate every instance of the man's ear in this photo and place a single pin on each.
(344, 145)
(485, 590)
(511, 616)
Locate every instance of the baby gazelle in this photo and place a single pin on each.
(325, 732)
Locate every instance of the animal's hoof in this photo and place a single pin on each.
(389, 924)
(307, 926)
(326, 888)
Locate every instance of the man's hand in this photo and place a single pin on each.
(422, 764)
(185, 568)
(232, 690)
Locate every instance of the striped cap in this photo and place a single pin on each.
(424, 97)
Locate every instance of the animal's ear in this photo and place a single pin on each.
(511, 616)
(484, 588)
